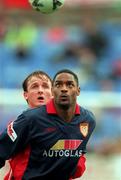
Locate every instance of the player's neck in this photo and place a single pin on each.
(66, 114)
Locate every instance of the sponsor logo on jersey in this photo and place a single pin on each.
(62, 153)
(64, 147)
(11, 132)
(66, 144)
(84, 128)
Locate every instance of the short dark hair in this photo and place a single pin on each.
(69, 72)
(35, 74)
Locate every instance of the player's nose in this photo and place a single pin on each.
(40, 89)
(64, 88)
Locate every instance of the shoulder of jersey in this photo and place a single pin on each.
(34, 110)
(87, 113)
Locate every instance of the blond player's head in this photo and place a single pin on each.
(37, 88)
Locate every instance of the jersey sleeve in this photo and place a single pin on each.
(80, 168)
(14, 138)
(91, 126)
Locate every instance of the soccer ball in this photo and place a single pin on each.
(46, 6)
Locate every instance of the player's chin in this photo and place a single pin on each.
(64, 104)
(40, 103)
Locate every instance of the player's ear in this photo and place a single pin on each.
(25, 95)
(52, 91)
(78, 91)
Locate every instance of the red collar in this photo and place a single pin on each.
(51, 108)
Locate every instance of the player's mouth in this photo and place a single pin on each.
(41, 99)
(64, 98)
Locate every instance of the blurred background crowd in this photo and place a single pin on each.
(84, 36)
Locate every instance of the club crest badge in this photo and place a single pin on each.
(84, 128)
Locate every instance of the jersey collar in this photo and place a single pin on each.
(51, 108)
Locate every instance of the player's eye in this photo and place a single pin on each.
(34, 86)
(46, 86)
(70, 84)
(57, 84)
